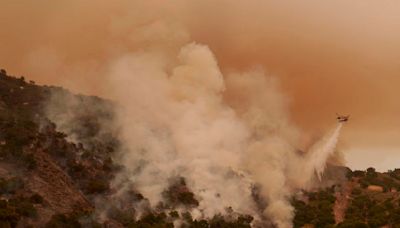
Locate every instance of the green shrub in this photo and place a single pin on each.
(358, 173)
(8, 215)
(25, 208)
(219, 221)
(36, 199)
(352, 224)
(123, 217)
(11, 185)
(179, 194)
(62, 221)
(77, 167)
(174, 214)
(356, 191)
(11, 211)
(97, 186)
(29, 161)
(152, 221)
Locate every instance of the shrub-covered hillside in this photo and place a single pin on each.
(367, 199)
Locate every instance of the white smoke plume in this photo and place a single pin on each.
(178, 125)
(224, 134)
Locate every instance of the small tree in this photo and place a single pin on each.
(371, 170)
(22, 80)
(371, 173)
(358, 173)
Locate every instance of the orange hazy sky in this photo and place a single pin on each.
(331, 56)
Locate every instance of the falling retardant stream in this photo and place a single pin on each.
(320, 151)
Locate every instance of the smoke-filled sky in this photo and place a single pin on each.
(330, 56)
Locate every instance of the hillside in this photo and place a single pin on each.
(367, 199)
(62, 175)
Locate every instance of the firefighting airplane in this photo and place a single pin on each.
(341, 118)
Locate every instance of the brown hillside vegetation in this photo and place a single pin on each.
(61, 193)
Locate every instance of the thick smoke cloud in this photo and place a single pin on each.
(179, 126)
(224, 135)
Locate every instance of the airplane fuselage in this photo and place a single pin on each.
(342, 119)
